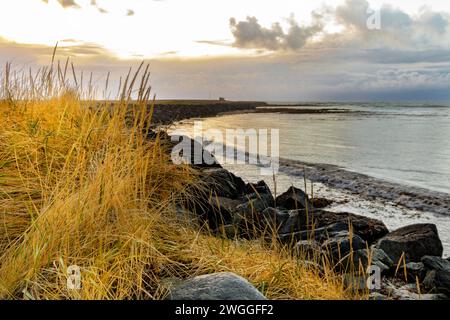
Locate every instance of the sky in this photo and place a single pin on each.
(273, 50)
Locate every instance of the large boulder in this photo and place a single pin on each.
(414, 241)
(249, 216)
(308, 249)
(187, 150)
(341, 244)
(298, 220)
(438, 274)
(273, 219)
(435, 263)
(216, 286)
(260, 187)
(220, 211)
(319, 234)
(367, 228)
(320, 203)
(255, 205)
(293, 199)
(222, 183)
(414, 271)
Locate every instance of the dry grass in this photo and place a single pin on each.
(80, 187)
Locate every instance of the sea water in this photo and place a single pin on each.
(402, 144)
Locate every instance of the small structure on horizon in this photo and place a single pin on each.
(222, 99)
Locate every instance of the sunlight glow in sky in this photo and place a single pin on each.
(244, 49)
(165, 27)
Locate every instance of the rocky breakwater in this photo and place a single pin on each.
(409, 259)
(166, 113)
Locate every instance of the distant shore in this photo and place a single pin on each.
(169, 111)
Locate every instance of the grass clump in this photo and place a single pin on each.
(80, 185)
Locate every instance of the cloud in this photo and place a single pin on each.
(100, 9)
(72, 4)
(42, 54)
(397, 28)
(214, 42)
(250, 34)
(408, 58)
(66, 3)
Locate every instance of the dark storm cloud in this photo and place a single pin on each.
(397, 29)
(250, 34)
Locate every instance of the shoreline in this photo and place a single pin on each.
(366, 186)
(369, 187)
(403, 204)
(306, 225)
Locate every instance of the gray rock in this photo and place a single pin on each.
(214, 200)
(377, 296)
(415, 241)
(308, 249)
(273, 218)
(260, 187)
(409, 292)
(320, 203)
(196, 154)
(375, 256)
(341, 244)
(222, 183)
(414, 271)
(220, 211)
(248, 214)
(298, 220)
(438, 274)
(436, 263)
(256, 204)
(293, 199)
(319, 235)
(216, 286)
(367, 228)
(354, 282)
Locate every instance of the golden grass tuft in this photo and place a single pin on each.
(80, 186)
